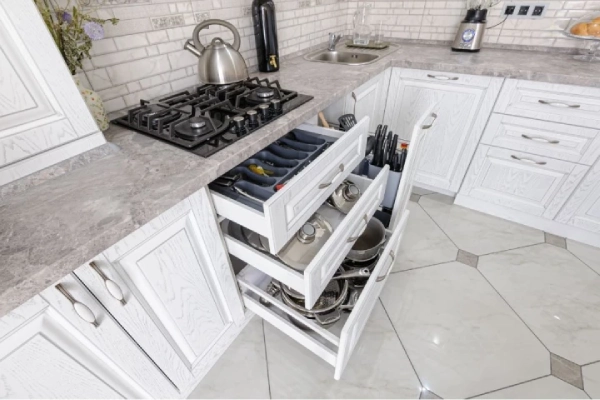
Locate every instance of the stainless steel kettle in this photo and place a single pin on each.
(219, 63)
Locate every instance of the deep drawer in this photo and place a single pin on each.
(289, 208)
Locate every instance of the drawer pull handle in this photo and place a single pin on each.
(387, 271)
(355, 238)
(429, 125)
(540, 139)
(81, 309)
(443, 77)
(324, 185)
(558, 104)
(528, 160)
(111, 286)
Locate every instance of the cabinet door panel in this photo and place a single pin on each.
(583, 208)
(368, 100)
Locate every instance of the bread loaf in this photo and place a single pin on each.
(593, 29)
(581, 29)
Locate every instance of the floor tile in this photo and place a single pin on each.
(427, 395)
(588, 254)
(591, 380)
(423, 242)
(460, 335)
(421, 192)
(240, 373)
(543, 388)
(379, 367)
(566, 370)
(556, 295)
(478, 233)
(467, 258)
(555, 240)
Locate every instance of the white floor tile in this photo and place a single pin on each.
(544, 388)
(423, 242)
(378, 368)
(556, 295)
(588, 254)
(461, 336)
(478, 233)
(240, 373)
(591, 380)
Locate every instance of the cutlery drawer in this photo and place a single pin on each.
(573, 105)
(318, 273)
(336, 344)
(550, 139)
(285, 211)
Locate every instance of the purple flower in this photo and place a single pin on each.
(66, 17)
(94, 30)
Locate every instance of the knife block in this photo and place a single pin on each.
(391, 189)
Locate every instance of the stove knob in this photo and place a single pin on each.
(264, 111)
(252, 118)
(276, 106)
(239, 123)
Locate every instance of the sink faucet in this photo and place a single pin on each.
(333, 40)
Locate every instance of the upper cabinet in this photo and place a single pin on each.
(464, 105)
(43, 119)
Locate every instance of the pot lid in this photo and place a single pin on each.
(345, 196)
(304, 246)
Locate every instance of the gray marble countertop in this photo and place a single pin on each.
(53, 227)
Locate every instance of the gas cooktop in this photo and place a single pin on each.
(212, 117)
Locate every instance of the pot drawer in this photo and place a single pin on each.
(315, 277)
(573, 105)
(521, 181)
(335, 349)
(550, 139)
(289, 208)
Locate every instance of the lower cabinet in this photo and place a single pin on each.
(583, 208)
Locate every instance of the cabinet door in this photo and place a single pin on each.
(463, 109)
(178, 284)
(583, 208)
(369, 99)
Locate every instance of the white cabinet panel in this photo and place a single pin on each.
(583, 208)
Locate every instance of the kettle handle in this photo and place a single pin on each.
(208, 22)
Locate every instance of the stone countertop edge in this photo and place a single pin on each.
(49, 230)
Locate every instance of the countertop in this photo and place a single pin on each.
(50, 229)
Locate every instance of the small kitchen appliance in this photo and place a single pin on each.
(470, 32)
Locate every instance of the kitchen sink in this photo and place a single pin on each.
(342, 57)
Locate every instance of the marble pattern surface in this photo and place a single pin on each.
(591, 380)
(544, 388)
(588, 254)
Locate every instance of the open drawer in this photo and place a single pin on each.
(336, 344)
(289, 208)
(316, 276)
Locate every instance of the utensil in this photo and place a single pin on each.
(246, 194)
(345, 196)
(219, 63)
(257, 169)
(347, 121)
(323, 120)
(299, 251)
(228, 180)
(392, 150)
(369, 243)
(352, 299)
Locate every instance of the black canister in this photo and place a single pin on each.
(265, 34)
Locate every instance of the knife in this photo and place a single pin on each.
(393, 147)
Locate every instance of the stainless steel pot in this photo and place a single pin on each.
(369, 243)
(219, 63)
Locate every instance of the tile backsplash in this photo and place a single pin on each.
(143, 56)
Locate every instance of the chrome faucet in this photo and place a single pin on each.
(333, 40)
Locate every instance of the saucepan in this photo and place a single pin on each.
(369, 243)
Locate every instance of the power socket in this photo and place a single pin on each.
(525, 10)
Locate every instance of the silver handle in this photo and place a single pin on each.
(112, 287)
(540, 139)
(429, 125)
(443, 77)
(387, 271)
(355, 238)
(528, 160)
(558, 104)
(324, 185)
(81, 309)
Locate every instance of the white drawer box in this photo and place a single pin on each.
(334, 349)
(573, 105)
(288, 209)
(450, 77)
(317, 275)
(525, 182)
(550, 139)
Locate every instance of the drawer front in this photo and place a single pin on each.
(550, 139)
(362, 310)
(583, 208)
(525, 182)
(449, 77)
(573, 105)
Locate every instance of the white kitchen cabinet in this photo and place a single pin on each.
(464, 105)
(182, 304)
(583, 208)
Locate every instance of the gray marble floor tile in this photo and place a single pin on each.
(478, 233)
(467, 258)
(460, 335)
(548, 387)
(427, 395)
(588, 254)
(415, 197)
(566, 370)
(555, 240)
(240, 373)
(556, 295)
(591, 380)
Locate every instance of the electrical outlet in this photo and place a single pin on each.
(525, 10)
(509, 10)
(538, 11)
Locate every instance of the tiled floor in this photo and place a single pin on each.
(475, 307)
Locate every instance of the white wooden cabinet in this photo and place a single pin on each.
(464, 105)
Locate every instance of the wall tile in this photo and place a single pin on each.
(135, 70)
(131, 41)
(99, 79)
(118, 57)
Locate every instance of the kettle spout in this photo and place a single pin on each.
(189, 46)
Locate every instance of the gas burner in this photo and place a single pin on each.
(156, 114)
(262, 95)
(198, 128)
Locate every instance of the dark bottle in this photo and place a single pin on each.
(265, 34)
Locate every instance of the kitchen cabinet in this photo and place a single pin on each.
(464, 105)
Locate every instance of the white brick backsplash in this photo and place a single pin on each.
(131, 41)
(157, 36)
(139, 69)
(114, 104)
(182, 59)
(134, 87)
(170, 47)
(99, 79)
(134, 98)
(103, 46)
(113, 92)
(128, 27)
(119, 57)
(152, 50)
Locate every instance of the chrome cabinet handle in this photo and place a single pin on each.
(387, 271)
(528, 160)
(81, 309)
(429, 125)
(443, 77)
(558, 104)
(355, 238)
(112, 287)
(324, 185)
(540, 139)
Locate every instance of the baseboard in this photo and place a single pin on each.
(546, 225)
(434, 189)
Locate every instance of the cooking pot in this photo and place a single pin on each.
(369, 243)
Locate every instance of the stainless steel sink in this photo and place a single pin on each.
(342, 57)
